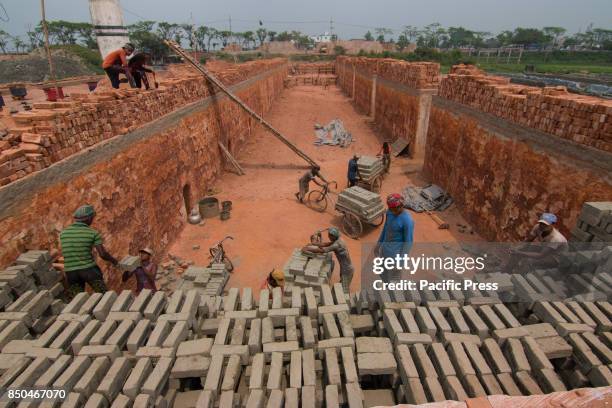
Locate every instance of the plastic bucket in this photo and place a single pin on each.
(209, 207)
(226, 205)
(224, 215)
(18, 91)
(54, 94)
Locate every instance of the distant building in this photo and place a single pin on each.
(322, 38)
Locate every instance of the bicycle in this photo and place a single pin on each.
(317, 199)
(217, 255)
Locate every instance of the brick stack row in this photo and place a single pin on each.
(304, 270)
(582, 119)
(33, 270)
(53, 131)
(594, 223)
(365, 204)
(416, 75)
(311, 68)
(365, 349)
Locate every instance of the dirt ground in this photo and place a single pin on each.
(267, 222)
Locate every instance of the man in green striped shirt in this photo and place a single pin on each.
(78, 241)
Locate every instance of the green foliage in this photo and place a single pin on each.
(339, 50)
(90, 58)
(4, 40)
(145, 38)
(368, 36)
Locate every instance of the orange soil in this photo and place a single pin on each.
(267, 222)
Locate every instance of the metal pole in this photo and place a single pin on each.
(177, 48)
(47, 48)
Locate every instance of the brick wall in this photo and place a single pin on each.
(56, 130)
(416, 75)
(136, 181)
(400, 88)
(581, 119)
(503, 177)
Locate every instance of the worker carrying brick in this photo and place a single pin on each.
(545, 254)
(338, 247)
(353, 171)
(116, 62)
(145, 273)
(139, 71)
(77, 244)
(304, 183)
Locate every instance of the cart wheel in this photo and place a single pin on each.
(228, 264)
(351, 225)
(317, 201)
(376, 184)
(378, 220)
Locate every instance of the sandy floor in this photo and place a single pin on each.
(267, 222)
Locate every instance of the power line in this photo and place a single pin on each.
(132, 13)
(3, 19)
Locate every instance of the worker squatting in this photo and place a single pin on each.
(424, 284)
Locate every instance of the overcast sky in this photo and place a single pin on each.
(352, 18)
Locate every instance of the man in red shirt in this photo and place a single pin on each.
(116, 63)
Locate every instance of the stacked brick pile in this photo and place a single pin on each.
(594, 223)
(304, 270)
(370, 167)
(582, 274)
(310, 79)
(370, 348)
(33, 270)
(583, 119)
(209, 281)
(366, 204)
(311, 68)
(56, 130)
(417, 75)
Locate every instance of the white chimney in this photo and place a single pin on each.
(107, 19)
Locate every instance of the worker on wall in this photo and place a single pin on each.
(338, 247)
(353, 171)
(145, 273)
(77, 243)
(304, 183)
(139, 71)
(116, 63)
(550, 243)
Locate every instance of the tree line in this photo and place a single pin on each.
(435, 36)
(149, 35)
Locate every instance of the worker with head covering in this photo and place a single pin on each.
(116, 62)
(338, 247)
(78, 242)
(275, 279)
(398, 232)
(543, 255)
(145, 273)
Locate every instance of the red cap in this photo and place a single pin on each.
(395, 200)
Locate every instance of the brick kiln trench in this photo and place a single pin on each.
(313, 348)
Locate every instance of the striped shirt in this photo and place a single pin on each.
(77, 242)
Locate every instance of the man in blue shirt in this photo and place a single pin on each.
(398, 233)
(353, 171)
